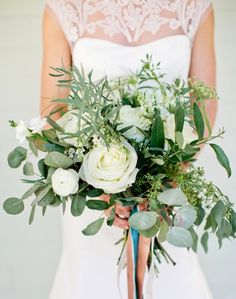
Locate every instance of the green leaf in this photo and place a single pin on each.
(185, 216)
(93, 227)
(143, 220)
(195, 238)
(179, 139)
(164, 227)
(218, 212)
(33, 147)
(95, 193)
(204, 241)
(54, 124)
(151, 232)
(31, 218)
(199, 121)
(111, 218)
(157, 134)
(44, 210)
(78, 204)
(173, 196)
(233, 220)
(58, 160)
(47, 199)
(97, 204)
(42, 168)
(13, 205)
(41, 194)
(179, 119)
(28, 169)
(179, 237)
(17, 156)
(31, 191)
(221, 157)
(200, 215)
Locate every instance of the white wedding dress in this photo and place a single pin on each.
(111, 37)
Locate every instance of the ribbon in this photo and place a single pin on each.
(138, 248)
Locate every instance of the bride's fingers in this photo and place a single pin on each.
(121, 222)
(123, 211)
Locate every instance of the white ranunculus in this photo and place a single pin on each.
(65, 182)
(169, 128)
(129, 116)
(113, 169)
(21, 131)
(37, 124)
(70, 123)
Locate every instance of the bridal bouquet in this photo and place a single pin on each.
(130, 137)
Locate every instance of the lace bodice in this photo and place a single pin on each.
(130, 22)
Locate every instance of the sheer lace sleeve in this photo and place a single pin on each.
(133, 21)
(195, 12)
(68, 16)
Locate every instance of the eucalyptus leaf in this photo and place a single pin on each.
(78, 204)
(28, 169)
(151, 232)
(218, 212)
(179, 237)
(93, 227)
(13, 205)
(204, 241)
(58, 160)
(31, 190)
(164, 227)
(195, 239)
(185, 216)
(173, 197)
(222, 158)
(111, 218)
(143, 220)
(42, 168)
(17, 156)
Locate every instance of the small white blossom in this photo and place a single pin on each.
(37, 124)
(21, 131)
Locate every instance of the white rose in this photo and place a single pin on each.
(70, 124)
(169, 128)
(65, 182)
(113, 169)
(21, 131)
(129, 116)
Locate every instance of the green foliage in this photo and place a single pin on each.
(17, 156)
(157, 134)
(78, 204)
(28, 169)
(221, 157)
(179, 237)
(58, 160)
(97, 204)
(13, 205)
(93, 227)
(142, 221)
(198, 120)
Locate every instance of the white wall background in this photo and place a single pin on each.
(29, 254)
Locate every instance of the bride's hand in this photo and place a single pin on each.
(122, 213)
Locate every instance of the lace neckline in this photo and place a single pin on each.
(135, 22)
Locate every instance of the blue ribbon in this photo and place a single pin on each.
(135, 243)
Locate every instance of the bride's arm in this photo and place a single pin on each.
(203, 62)
(55, 50)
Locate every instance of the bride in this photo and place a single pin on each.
(111, 37)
